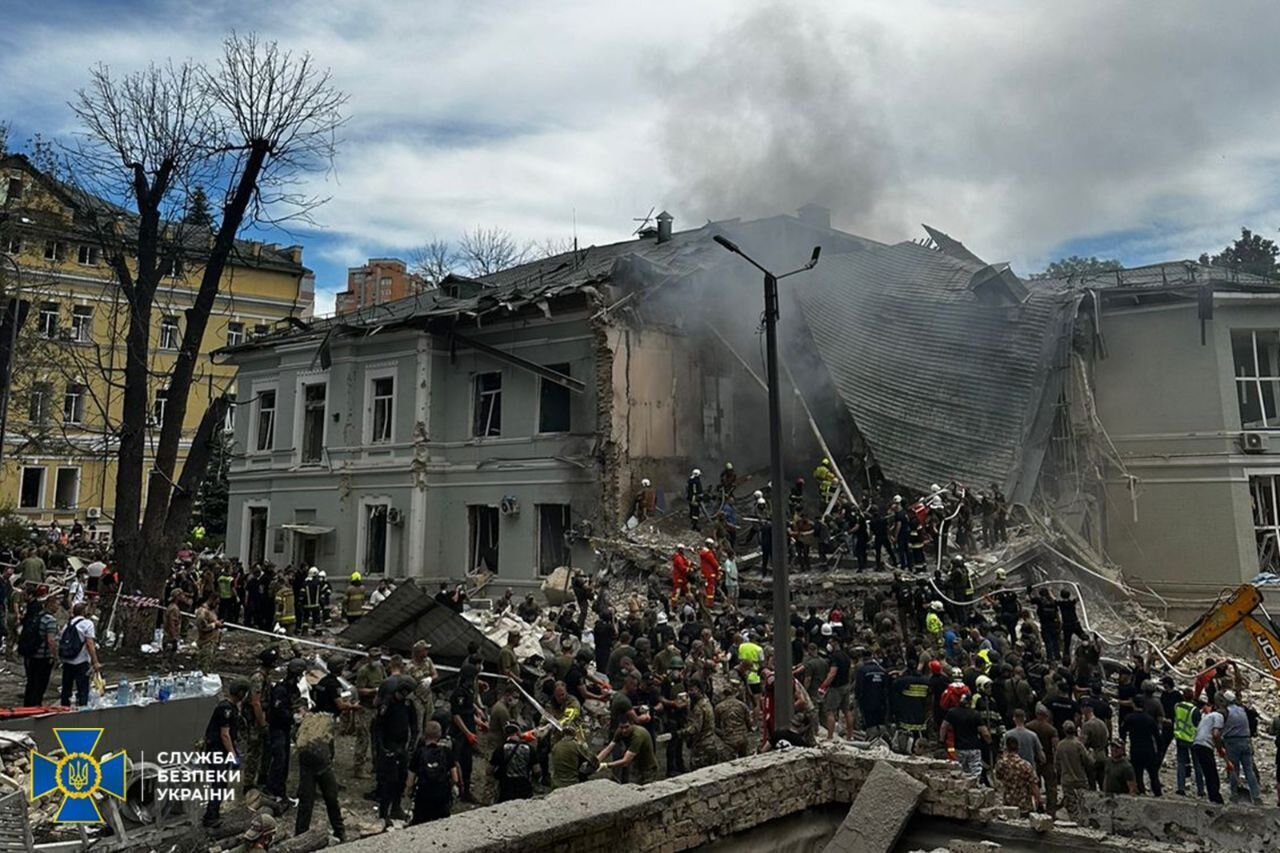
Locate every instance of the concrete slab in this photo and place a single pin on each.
(882, 808)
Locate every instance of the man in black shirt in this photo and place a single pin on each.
(284, 693)
(220, 739)
(835, 689)
(395, 731)
(605, 633)
(1144, 748)
(512, 765)
(1062, 707)
(967, 733)
(466, 722)
(432, 775)
(872, 692)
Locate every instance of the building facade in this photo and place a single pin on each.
(59, 461)
(378, 282)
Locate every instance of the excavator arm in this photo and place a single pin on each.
(1221, 618)
(1265, 642)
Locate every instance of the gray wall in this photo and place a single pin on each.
(1169, 404)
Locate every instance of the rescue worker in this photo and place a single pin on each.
(432, 776)
(1007, 608)
(353, 600)
(226, 595)
(1186, 716)
(395, 732)
(511, 764)
(710, 570)
(909, 707)
(312, 591)
(699, 732)
(220, 739)
(314, 749)
(933, 623)
(795, 499)
(285, 617)
(255, 767)
(285, 695)
(569, 753)
(679, 575)
(369, 677)
(826, 480)
(728, 482)
(693, 493)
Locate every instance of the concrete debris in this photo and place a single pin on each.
(878, 815)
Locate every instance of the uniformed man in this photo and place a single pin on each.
(285, 616)
(733, 721)
(569, 753)
(208, 632)
(312, 591)
(423, 670)
(259, 835)
(700, 731)
(220, 739)
(353, 601)
(173, 627)
(255, 767)
(314, 748)
(369, 678)
(284, 697)
(508, 663)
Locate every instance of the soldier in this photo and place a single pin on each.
(285, 607)
(369, 678)
(424, 672)
(255, 764)
(259, 835)
(173, 627)
(700, 731)
(733, 721)
(314, 748)
(208, 631)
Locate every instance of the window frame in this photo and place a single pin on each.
(82, 332)
(48, 331)
(543, 382)
(44, 482)
(169, 325)
(78, 408)
(369, 505)
(300, 419)
(93, 252)
(539, 543)
(478, 396)
(160, 406)
(259, 395)
(235, 329)
(13, 244)
(75, 500)
(42, 388)
(55, 251)
(372, 377)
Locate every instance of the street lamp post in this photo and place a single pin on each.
(13, 307)
(783, 698)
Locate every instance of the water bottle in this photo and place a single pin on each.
(166, 689)
(123, 692)
(153, 686)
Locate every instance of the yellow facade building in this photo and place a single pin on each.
(64, 410)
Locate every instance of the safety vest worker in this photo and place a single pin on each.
(1183, 728)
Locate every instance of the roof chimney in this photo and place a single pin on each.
(815, 215)
(664, 226)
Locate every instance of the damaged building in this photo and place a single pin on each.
(499, 423)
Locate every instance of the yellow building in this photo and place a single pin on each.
(59, 444)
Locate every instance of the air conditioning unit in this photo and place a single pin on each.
(509, 506)
(1254, 442)
(395, 516)
(93, 512)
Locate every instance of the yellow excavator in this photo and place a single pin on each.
(1226, 613)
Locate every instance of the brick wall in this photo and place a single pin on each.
(683, 813)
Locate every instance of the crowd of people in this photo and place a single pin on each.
(1006, 681)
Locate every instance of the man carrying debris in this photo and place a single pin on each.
(314, 748)
(636, 745)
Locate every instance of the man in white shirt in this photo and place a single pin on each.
(76, 591)
(1208, 741)
(76, 669)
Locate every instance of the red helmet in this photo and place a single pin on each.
(935, 667)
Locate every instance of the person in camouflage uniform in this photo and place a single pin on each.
(699, 733)
(733, 723)
(424, 672)
(369, 677)
(255, 768)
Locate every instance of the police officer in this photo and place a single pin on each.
(280, 719)
(220, 739)
(395, 732)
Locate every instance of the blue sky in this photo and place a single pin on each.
(1027, 130)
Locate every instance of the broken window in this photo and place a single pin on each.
(41, 398)
(73, 404)
(86, 255)
(1256, 356)
(482, 522)
(383, 394)
(553, 548)
(553, 402)
(257, 551)
(488, 412)
(375, 538)
(312, 422)
(168, 333)
(82, 324)
(13, 245)
(266, 420)
(31, 493)
(14, 192)
(49, 320)
(66, 488)
(1266, 520)
(55, 250)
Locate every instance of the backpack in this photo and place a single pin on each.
(29, 635)
(70, 643)
(434, 767)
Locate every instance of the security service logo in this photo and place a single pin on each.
(78, 775)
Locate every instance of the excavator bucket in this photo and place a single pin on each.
(1215, 622)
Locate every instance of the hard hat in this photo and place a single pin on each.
(935, 666)
(1204, 698)
(956, 672)
(313, 572)
(799, 481)
(935, 605)
(826, 461)
(761, 502)
(1001, 574)
(758, 495)
(679, 547)
(826, 629)
(728, 466)
(697, 472)
(983, 682)
(935, 488)
(355, 576)
(897, 499)
(709, 542)
(645, 483)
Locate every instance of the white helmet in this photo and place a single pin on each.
(710, 543)
(757, 494)
(983, 682)
(897, 499)
(645, 483)
(1001, 574)
(935, 488)
(313, 572)
(697, 472)
(826, 629)
(761, 502)
(935, 605)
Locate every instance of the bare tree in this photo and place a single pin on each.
(547, 248)
(433, 260)
(482, 251)
(245, 129)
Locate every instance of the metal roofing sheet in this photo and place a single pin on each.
(410, 614)
(940, 384)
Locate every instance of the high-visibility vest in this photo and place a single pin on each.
(1183, 729)
(933, 624)
(224, 586)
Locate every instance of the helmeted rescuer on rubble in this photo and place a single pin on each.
(353, 599)
(710, 568)
(825, 477)
(693, 493)
(646, 501)
(312, 590)
(728, 482)
(679, 575)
